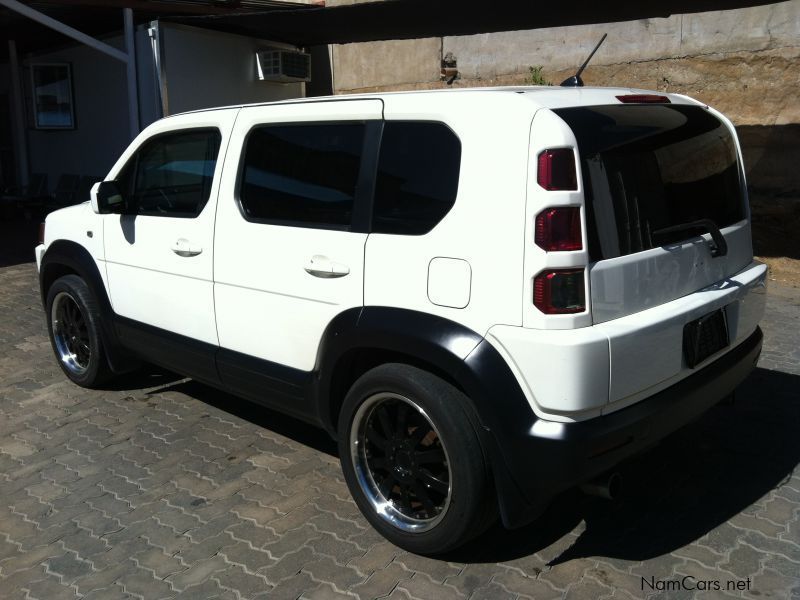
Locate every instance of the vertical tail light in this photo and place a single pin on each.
(556, 170)
(559, 292)
(41, 232)
(559, 229)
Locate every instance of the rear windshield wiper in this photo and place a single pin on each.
(718, 246)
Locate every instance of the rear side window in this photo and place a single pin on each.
(171, 174)
(417, 179)
(647, 168)
(302, 174)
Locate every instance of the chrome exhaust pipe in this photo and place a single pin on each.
(606, 486)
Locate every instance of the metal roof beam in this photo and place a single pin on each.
(64, 29)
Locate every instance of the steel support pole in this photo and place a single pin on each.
(133, 90)
(18, 116)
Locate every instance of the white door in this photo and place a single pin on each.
(289, 255)
(159, 259)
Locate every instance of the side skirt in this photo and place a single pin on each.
(273, 385)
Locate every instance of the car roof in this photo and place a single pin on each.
(544, 96)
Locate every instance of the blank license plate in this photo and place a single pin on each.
(705, 336)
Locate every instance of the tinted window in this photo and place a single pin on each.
(171, 175)
(646, 168)
(302, 174)
(417, 180)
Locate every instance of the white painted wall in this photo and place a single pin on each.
(206, 68)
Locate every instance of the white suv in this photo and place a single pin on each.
(487, 296)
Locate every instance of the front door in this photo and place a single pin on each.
(289, 253)
(159, 256)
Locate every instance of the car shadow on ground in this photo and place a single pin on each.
(277, 422)
(679, 491)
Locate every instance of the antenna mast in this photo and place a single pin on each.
(575, 80)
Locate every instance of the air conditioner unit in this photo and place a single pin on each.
(283, 65)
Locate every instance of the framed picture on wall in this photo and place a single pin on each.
(52, 96)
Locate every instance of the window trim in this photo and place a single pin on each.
(218, 165)
(363, 187)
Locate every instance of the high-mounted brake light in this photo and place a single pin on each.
(559, 292)
(643, 99)
(559, 229)
(556, 170)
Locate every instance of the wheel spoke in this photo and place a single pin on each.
(434, 455)
(405, 499)
(402, 418)
(375, 437)
(71, 316)
(386, 424)
(378, 462)
(386, 485)
(419, 433)
(422, 495)
(432, 482)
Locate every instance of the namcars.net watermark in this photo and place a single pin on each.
(691, 583)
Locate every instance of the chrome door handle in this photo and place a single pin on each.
(322, 266)
(184, 248)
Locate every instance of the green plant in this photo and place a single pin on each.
(536, 77)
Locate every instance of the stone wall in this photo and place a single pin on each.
(744, 62)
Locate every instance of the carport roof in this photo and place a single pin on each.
(102, 17)
(411, 19)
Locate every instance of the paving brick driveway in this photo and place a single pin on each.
(163, 487)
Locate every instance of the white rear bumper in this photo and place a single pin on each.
(576, 374)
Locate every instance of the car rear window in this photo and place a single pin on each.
(417, 178)
(646, 168)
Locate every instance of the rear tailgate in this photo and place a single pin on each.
(648, 171)
(647, 168)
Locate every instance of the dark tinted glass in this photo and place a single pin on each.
(171, 175)
(417, 177)
(646, 168)
(302, 174)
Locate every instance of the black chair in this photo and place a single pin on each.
(25, 199)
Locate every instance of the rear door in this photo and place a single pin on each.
(289, 248)
(648, 172)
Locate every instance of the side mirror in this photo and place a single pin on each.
(106, 198)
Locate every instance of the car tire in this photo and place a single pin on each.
(73, 323)
(413, 460)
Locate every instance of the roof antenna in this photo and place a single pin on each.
(575, 80)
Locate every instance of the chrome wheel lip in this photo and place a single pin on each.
(62, 337)
(382, 506)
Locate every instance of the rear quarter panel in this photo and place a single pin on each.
(486, 226)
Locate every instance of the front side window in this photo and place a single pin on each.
(171, 174)
(303, 175)
(418, 171)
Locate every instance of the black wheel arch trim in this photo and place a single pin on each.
(65, 256)
(500, 410)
